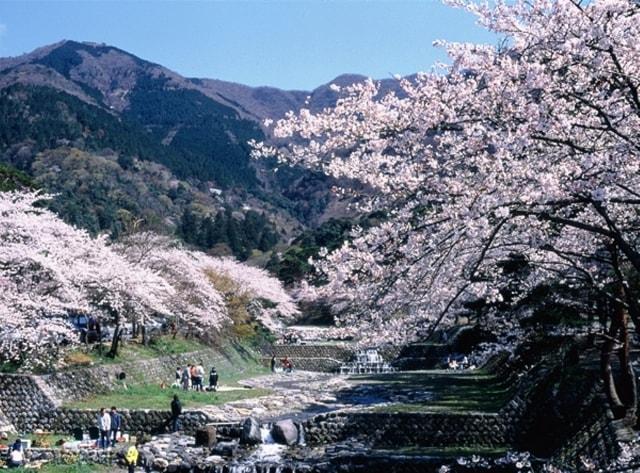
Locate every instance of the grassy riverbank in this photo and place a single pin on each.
(452, 391)
(148, 396)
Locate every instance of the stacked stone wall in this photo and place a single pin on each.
(324, 358)
(5, 423)
(410, 429)
(23, 402)
(596, 441)
(137, 422)
(32, 402)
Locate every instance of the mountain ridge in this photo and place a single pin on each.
(259, 102)
(82, 119)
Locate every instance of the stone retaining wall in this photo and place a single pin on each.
(32, 402)
(135, 422)
(320, 357)
(324, 358)
(23, 402)
(410, 429)
(336, 352)
(597, 441)
(324, 365)
(5, 423)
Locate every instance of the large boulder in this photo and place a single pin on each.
(206, 436)
(285, 432)
(225, 449)
(250, 434)
(160, 464)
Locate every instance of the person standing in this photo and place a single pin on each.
(116, 424)
(178, 375)
(16, 456)
(104, 424)
(176, 410)
(213, 379)
(186, 376)
(199, 377)
(273, 363)
(132, 457)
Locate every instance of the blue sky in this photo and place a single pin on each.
(293, 45)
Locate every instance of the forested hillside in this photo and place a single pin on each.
(124, 143)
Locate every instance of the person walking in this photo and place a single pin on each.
(116, 424)
(176, 410)
(104, 424)
(213, 379)
(132, 457)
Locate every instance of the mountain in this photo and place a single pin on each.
(121, 140)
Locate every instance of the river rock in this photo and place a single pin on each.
(285, 431)
(250, 434)
(225, 449)
(160, 464)
(206, 436)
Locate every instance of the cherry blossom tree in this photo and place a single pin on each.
(194, 302)
(49, 268)
(528, 148)
(198, 304)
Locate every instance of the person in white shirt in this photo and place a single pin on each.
(16, 458)
(104, 424)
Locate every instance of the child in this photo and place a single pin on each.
(132, 457)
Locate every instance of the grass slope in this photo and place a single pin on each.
(237, 363)
(453, 391)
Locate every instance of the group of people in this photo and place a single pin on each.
(285, 364)
(109, 424)
(459, 364)
(192, 376)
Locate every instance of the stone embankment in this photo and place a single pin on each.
(328, 358)
(31, 402)
(310, 357)
(410, 429)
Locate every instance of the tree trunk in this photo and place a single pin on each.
(113, 352)
(628, 387)
(617, 407)
(143, 330)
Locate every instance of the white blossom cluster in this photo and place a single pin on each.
(49, 269)
(531, 148)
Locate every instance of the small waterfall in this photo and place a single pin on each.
(301, 440)
(265, 434)
(367, 361)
